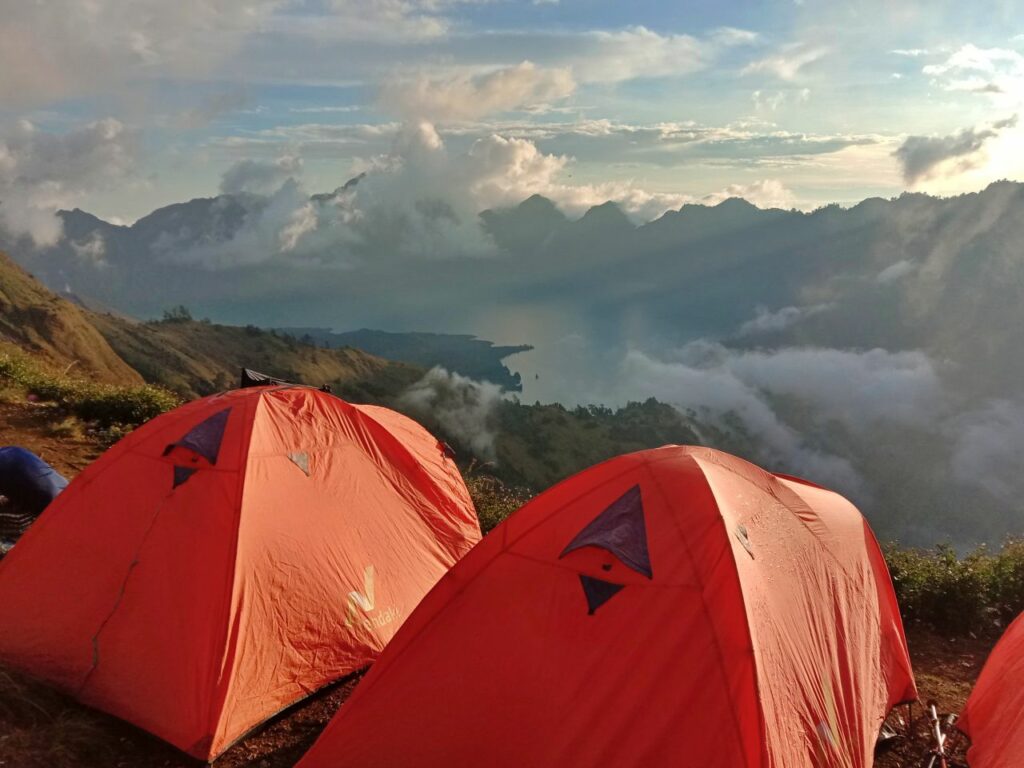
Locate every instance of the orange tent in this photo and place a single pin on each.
(994, 715)
(230, 557)
(671, 607)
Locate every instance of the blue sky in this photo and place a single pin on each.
(120, 107)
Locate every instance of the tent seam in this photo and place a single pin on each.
(217, 707)
(506, 542)
(739, 583)
(95, 639)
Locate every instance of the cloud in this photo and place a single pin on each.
(612, 57)
(418, 200)
(328, 109)
(465, 409)
(922, 157)
(730, 36)
(895, 271)
(41, 172)
(466, 97)
(998, 72)
(92, 250)
(767, 321)
(856, 388)
(772, 101)
(680, 144)
(719, 397)
(987, 446)
(259, 176)
(64, 48)
(970, 58)
(786, 63)
(742, 389)
(767, 193)
(212, 107)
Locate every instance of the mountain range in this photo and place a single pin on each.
(873, 348)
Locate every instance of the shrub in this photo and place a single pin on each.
(937, 588)
(493, 499)
(123, 405)
(976, 594)
(1006, 581)
(103, 403)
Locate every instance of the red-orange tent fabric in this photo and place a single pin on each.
(673, 607)
(994, 715)
(230, 557)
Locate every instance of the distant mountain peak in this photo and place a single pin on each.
(736, 204)
(538, 204)
(606, 215)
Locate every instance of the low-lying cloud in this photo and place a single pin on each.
(465, 409)
(419, 200)
(260, 177)
(987, 446)
(719, 396)
(922, 157)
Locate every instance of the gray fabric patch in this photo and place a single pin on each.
(744, 539)
(301, 460)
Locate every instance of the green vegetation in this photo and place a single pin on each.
(539, 445)
(493, 499)
(106, 404)
(977, 594)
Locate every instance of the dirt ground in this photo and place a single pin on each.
(46, 431)
(42, 729)
(945, 670)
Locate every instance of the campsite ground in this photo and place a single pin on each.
(42, 729)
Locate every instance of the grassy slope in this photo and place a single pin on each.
(197, 358)
(54, 330)
(186, 357)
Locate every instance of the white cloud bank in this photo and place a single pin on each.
(987, 446)
(41, 172)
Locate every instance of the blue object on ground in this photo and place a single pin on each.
(27, 480)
